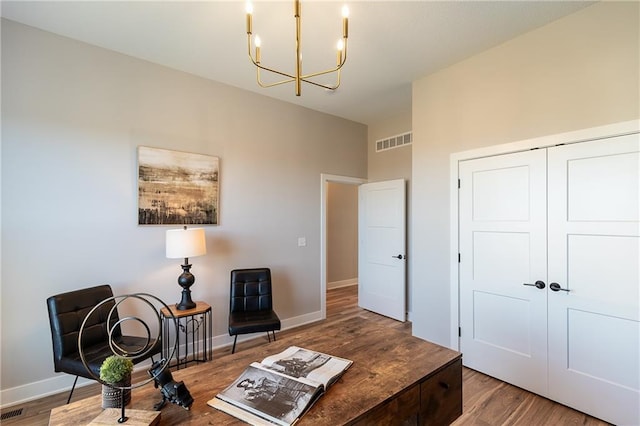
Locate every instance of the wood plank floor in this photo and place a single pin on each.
(487, 401)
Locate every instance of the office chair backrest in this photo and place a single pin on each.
(251, 290)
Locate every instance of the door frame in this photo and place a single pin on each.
(325, 179)
(599, 132)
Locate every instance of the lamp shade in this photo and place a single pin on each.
(183, 243)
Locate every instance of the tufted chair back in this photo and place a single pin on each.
(251, 303)
(251, 290)
(67, 311)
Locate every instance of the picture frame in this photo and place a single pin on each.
(177, 188)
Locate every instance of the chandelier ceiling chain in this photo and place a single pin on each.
(298, 78)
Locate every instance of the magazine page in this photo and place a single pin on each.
(239, 413)
(270, 395)
(300, 362)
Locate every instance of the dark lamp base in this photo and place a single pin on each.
(186, 303)
(186, 280)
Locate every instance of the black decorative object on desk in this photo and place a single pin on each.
(172, 391)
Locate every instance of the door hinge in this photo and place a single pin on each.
(458, 257)
(459, 331)
(458, 183)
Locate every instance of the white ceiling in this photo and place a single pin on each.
(391, 43)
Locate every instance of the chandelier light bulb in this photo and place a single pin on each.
(257, 41)
(345, 11)
(340, 45)
(249, 8)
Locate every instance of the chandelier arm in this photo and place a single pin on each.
(315, 74)
(337, 68)
(344, 59)
(275, 71)
(325, 86)
(277, 83)
(249, 48)
(258, 66)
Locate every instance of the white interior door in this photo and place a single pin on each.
(381, 248)
(503, 316)
(594, 252)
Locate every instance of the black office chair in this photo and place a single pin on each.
(251, 307)
(67, 311)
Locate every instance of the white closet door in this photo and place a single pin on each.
(503, 247)
(594, 252)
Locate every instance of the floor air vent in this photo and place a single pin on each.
(394, 142)
(11, 414)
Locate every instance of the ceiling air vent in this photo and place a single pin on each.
(394, 142)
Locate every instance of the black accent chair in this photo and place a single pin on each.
(251, 304)
(67, 311)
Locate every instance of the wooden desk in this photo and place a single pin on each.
(394, 379)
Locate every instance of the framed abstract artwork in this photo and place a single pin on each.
(177, 188)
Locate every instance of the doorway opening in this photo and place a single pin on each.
(337, 182)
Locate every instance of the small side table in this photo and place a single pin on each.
(195, 329)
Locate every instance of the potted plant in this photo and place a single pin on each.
(116, 371)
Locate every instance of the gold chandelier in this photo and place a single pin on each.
(298, 77)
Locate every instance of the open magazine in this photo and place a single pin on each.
(281, 388)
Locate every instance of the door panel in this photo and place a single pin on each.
(490, 328)
(381, 230)
(594, 252)
(503, 246)
(587, 359)
(511, 250)
(606, 198)
(618, 253)
(493, 186)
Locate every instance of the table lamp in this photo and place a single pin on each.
(186, 243)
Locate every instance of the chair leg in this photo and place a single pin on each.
(233, 350)
(269, 337)
(274, 335)
(72, 388)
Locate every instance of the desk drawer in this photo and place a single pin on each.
(441, 396)
(402, 410)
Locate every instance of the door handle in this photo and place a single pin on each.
(398, 257)
(556, 287)
(539, 284)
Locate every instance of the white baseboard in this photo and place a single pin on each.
(342, 283)
(62, 382)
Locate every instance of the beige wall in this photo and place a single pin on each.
(342, 234)
(578, 72)
(393, 164)
(72, 118)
